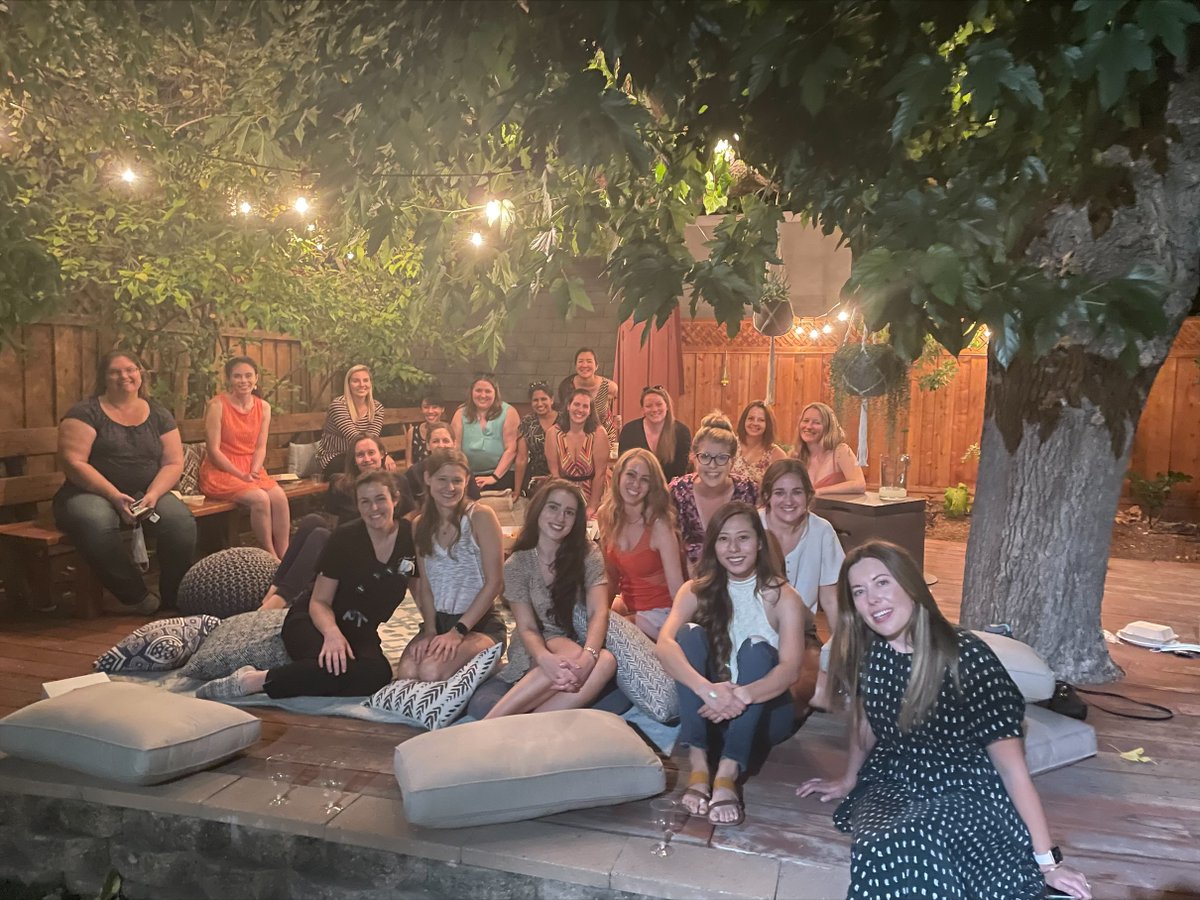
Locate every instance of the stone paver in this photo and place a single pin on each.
(544, 851)
(694, 873)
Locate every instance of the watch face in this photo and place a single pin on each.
(1057, 854)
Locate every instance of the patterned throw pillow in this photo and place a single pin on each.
(435, 704)
(189, 481)
(165, 644)
(251, 639)
(227, 582)
(639, 673)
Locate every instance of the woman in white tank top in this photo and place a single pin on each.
(733, 643)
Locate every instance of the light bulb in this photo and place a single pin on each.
(492, 211)
(826, 328)
(350, 255)
(301, 205)
(129, 176)
(843, 315)
(736, 136)
(476, 238)
(814, 335)
(244, 207)
(312, 226)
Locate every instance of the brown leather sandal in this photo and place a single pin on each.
(727, 784)
(694, 780)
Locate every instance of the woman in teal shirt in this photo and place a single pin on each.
(485, 428)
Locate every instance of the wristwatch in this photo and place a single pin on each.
(1053, 858)
(461, 629)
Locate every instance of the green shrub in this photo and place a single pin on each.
(1151, 494)
(957, 502)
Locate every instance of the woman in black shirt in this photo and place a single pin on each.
(121, 451)
(332, 636)
(659, 432)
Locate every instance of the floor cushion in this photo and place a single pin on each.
(522, 767)
(249, 639)
(126, 732)
(435, 704)
(640, 675)
(227, 582)
(1032, 676)
(1053, 741)
(165, 644)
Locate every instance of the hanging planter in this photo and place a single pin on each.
(871, 372)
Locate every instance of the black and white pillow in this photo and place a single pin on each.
(435, 704)
(250, 639)
(639, 673)
(189, 481)
(157, 646)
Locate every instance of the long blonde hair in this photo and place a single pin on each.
(934, 640)
(665, 448)
(657, 505)
(428, 522)
(832, 437)
(353, 370)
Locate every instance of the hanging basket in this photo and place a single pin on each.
(867, 370)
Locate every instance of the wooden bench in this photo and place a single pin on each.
(38, 562)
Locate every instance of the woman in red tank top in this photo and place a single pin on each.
(639, 540)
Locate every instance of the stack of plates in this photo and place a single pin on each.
(1148, 634)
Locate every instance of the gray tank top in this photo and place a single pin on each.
(455, 580)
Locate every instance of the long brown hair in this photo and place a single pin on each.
(345, 481)
(657, 505)
(780, 468)
(590, 424)
(833, 434)
(428, 522)
(567, 589)
(470, 413)
(768, 438)
(934, 640)
(665, 448)
(714, 608)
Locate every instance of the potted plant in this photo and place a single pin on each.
(871, 371)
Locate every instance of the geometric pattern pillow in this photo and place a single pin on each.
(189, 481)
(640, 675)
(435, 704)
(249, 639)
(227, 582)
(165, 644)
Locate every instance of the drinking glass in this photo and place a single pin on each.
(333, 785)
(281, 769)
(668, 816)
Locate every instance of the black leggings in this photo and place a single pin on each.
(304, 676)
(298, 569)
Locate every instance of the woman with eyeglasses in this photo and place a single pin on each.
(602, 391)
(485, 427)
(756, 442)
(531, 438)
(659, 432)
(577, 449)
(821, 446)
(699, 495)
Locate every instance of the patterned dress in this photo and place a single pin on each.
(535, 442)
(752, 471)
(691, 529)
(930, 816)
(577, 467)
(601, 405)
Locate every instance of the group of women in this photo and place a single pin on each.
(936, 793)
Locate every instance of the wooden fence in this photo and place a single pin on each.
(940, 425)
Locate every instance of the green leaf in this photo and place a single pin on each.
(1167, 20)
(1119, 53)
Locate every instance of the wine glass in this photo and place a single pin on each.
(281, 768)
(668, 816)
(333, 784)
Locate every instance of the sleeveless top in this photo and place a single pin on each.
(420, 447)
(601, 404)
(239, 436)
(577, 467)
(455, 580)
(749, 619)
(483, 442)
(752, 471)
(642, 583)
(837, 476)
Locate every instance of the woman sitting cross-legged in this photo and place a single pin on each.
(937, 792)
(554, 568)
(641, 546)
(298, 569)
(733, 643)
(462, 564)
(332, 635)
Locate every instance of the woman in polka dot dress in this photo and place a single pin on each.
(938, 797)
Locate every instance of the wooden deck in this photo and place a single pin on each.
(1134, 828)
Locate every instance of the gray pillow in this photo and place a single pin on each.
(640, 675)
(227, 582)
(522, 767)
(165, 644)
(128, 732)
(250, 639)
(302, 460)
(1033, 678)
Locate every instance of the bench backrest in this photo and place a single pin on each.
(29, 455)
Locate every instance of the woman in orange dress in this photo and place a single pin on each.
(236, 424)
(577, 449)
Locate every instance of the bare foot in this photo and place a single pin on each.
(273, 601)
(695, 796)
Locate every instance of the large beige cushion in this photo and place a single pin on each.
(1053, 741)
(128, 732)
(1033, 677)
(521, 767)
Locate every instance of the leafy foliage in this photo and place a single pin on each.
(1152, 494)
(956, 502)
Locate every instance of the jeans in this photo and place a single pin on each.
(95, 529)
(298, 569)
(760, 726)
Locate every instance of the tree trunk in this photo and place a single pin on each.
(1058, 431)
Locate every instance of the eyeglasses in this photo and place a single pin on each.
(714, 459)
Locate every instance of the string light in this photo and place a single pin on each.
(476, 238)
(244, 207)
(814, 335)
(492, 211)
(843, 315)
(826, 328)
(312, 226)
(301, 205)
(350, 255)
(128, 176)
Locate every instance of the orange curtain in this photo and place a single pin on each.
(657, 361)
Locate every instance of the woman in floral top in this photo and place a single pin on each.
(531, 437)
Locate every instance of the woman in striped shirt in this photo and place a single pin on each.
(356, 413)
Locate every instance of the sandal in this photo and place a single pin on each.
(694, 780)
(727, 784)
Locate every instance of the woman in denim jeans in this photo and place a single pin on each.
(119, 451)
(733, 643)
